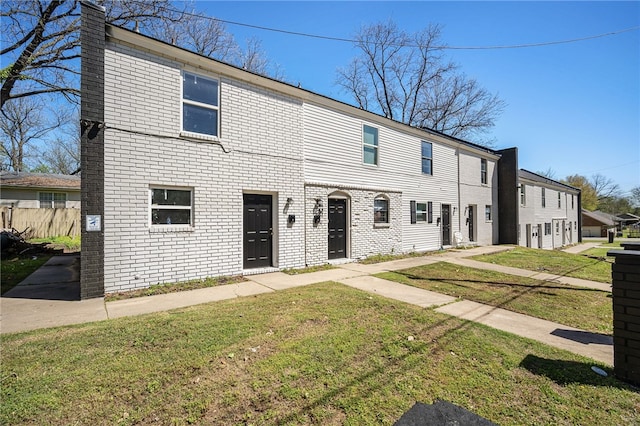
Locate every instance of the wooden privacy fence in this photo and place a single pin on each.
(42, 223)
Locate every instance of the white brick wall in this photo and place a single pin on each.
(261, 129)
(364, 238)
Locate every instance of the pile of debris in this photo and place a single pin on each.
(13, 244)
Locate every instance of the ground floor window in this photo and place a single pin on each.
(381, 210)
(547, 229)
(171, 206)
(487, 213)
(421, 212)
(52, 200)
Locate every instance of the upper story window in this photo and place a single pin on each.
(572, 206)
(370, 145)
(427, 158)
(171, 206)
(544, 198)
(200, 104)
(559, 200)
(523, 195)
(483, 170)
(52, 200)
(380, 210)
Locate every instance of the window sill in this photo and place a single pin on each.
(199, 137)
(381, 225)
(164, 229)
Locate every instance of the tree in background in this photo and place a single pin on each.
(589, 196)
(602, 193)
(635, 196)
(22, 122)
(63, 153)
(41, 50)
(406, 78)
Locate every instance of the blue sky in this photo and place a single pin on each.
(573, 108)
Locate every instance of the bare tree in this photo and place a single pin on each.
(41, 41)
(589, 197)
(63, 153)
(407, 78)
(22, 122)
(197, 33)
(549, 173)
(635, 196)
(604, 187)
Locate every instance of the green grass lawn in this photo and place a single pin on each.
(586, 309)
(69, 244)
(15, 269)
(552, 261)
(324, 354)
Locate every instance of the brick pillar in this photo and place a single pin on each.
(92, 41)
(626, 313)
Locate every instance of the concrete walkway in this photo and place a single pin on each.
(19, 312)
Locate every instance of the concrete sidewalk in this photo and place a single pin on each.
(19, 313)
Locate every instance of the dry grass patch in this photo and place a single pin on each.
(175, 287)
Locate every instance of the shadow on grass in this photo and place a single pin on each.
(460, 282)
(572, 372)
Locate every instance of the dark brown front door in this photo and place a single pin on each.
(446, 225)
(337, 228)
(471, 224)
(257, 231)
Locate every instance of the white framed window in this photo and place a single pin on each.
(523, 195)
(487, 213)
(427, 158)
(430, 212)
(559, 200)
(557, 228)
(200, 104)
(170, 206)
(483, 170)
(381, 210)
(547, 228)
(544, 198)
(421, 212)
(370, 145)
(572, 202)
(52, 200)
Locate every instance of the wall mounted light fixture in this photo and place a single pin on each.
(317, 211)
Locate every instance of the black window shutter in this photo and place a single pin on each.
(413, 211)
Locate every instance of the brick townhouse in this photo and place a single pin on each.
(194, 168)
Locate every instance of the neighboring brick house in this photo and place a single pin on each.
(195, 168)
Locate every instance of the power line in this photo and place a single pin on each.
(443, 47)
